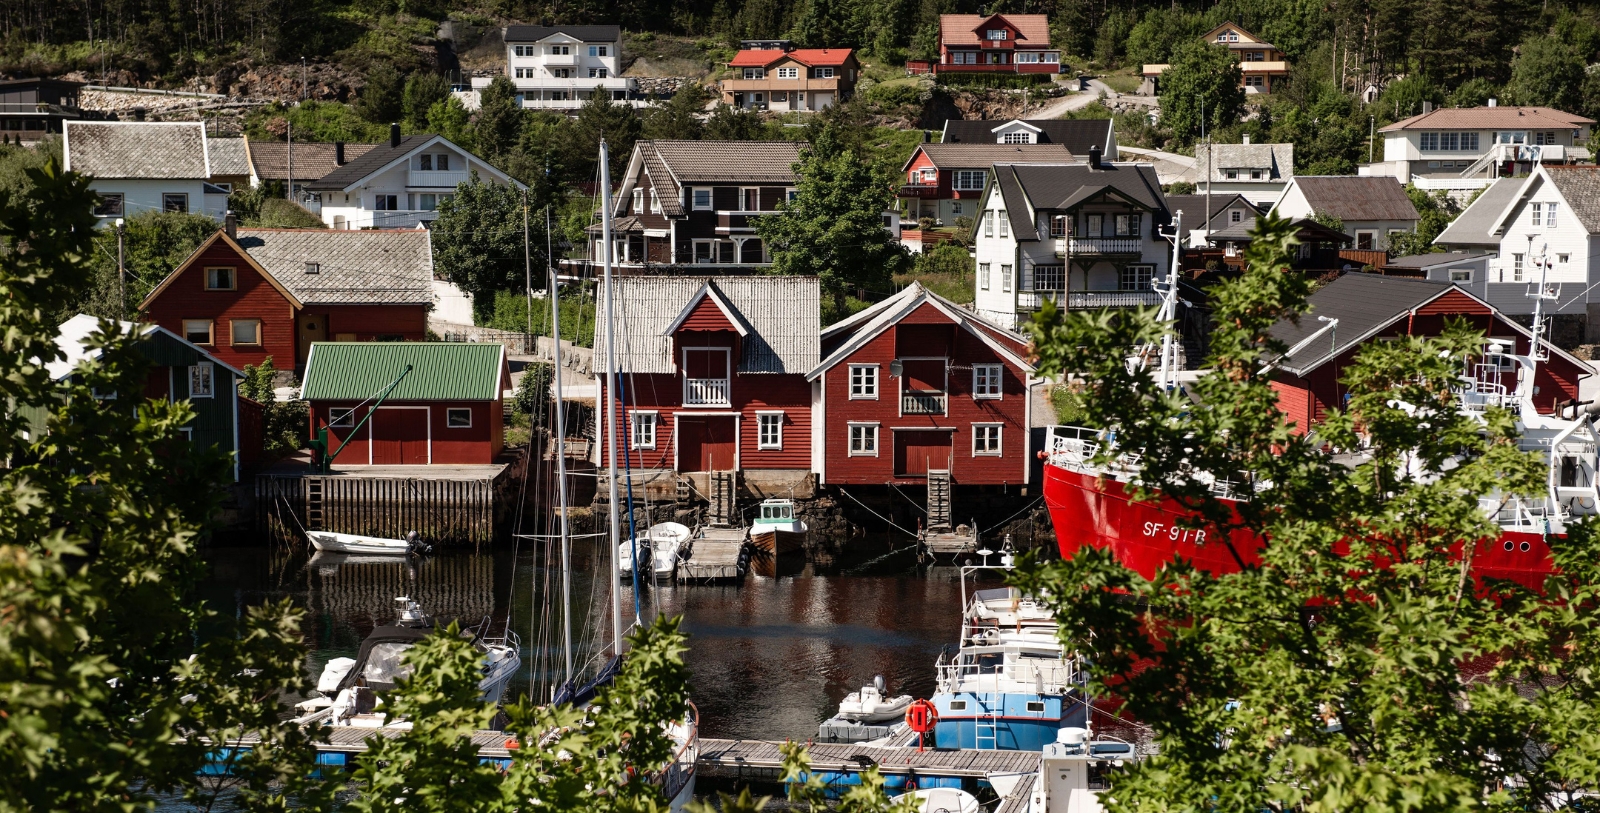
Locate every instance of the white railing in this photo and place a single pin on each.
(705, 392)
(1107, 245)
(919, 402)
(444, 179)
(1077, 300)
(1055, 676)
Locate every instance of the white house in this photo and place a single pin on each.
(1467, 148)
(1371, 209)
(1086, 235)
(561, 66)
(399, 185)
(1259, 172)
(144, 167)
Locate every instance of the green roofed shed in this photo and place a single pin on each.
(441, 371)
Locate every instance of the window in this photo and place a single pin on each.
(200, 380)
(986, 381)
(1028, 57)
(524, 73)
(313, 268)
(1460, 275)
(197, 331)
(752, 199)
(1127, 225)
(655, 203)
(523, 50)
(561, 50)
(599, 50)
(1366, 239)
(863, 440)
(1231, 174)
(246, 331)
(864, 381)
(644, 430)
(1234, 216)
(1135, 278)
(1544, 139)
(1058, 226)
(1255, 174)
(1511, 137)
(1562, 258)
(788, 73)
(958, 705)
(822, 73)
(597, 73)
(701, 198)
(1094, 225)
(791, 194)
(929, 175)
(983, 276)
(341, 417)
(985, 439)
(1005, 278)
(1049, 278)
(109, 205)
(769, 430)
(970, 179)
(1036, 705)
(996, 34)
(755, 73)
(427, 201)
(988, 223)
(175, 202)
(638, 201)
(955, 207)
(1023, 137)
(1005, 225)
(560, 73)
(386, 203)
(1538, 209)
(1516, 268)
(1254, 81)
(1550, 214)
(219, 279)
(425, 162)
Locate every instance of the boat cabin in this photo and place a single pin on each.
(775, 512)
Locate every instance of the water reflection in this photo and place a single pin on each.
(769, 659)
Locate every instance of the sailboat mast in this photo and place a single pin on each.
(611, 399)
(1169, 306)
(561, 461)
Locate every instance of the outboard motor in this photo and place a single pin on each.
(415, 544)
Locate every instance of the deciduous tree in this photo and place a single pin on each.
(1200, 89)
(478, 241)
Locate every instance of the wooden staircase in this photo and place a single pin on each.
(314, 503)
(939, 500)
(724, 496)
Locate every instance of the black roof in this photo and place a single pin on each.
(1066, 186)
(1077, 134)
(584, 33)
(1363, 304)
(1193, 207)
(368, 162)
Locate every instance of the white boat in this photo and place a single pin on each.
(777, 529)
(945, 800)
(356, 543)
(664, 543)
(1073, 772)
(873, 705)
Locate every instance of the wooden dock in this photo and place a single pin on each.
(761, 760)
(717, 554)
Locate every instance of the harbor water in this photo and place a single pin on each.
(769, 658)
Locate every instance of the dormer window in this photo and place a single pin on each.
(1017, 137)
(997, 34)
(313, 268)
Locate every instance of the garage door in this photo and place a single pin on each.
(706, 443)
(917, 452)
(400, 436)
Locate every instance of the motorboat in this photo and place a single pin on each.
(1073, 772)
(356, 685)
(333, 542)
(776, 529)
(873, 705)
(664, 543)
(945, 800)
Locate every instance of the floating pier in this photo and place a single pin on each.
(716, 554)
(762, 760)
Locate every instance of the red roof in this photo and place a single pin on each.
(813, 57)
(1033, 30)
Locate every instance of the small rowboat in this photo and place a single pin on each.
(356, 543)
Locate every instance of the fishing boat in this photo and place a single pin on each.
(332, 542)
(358, 683)
(665, 543)
(777, 530)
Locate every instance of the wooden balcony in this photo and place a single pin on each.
(705, 392)
(919, 190)
(922, 402)
(738, 221)
(1104, 246)
(772, 83)
(1012, 67)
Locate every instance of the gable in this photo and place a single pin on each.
(1230, 33)
(217, 250)
(706, 315)
(1455, 302)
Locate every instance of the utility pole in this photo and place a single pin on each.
(305, 85)
(288, 191)
(527, 264)
(122, 274)
(1372, 133)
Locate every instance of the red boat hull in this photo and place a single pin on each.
(1098, 512)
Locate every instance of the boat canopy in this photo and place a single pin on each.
(379, 664)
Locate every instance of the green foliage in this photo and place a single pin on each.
(833, 228)
(155, 244)
(1331, 221)
(447, 117)
(391, 38)
(1159, 32)
(422, 91)
(382, 100)
(803, 786)
(1474, 93)
(1068, 404)
(312, 121)
(600, 118)
(284, 423)
(1547, 72)
(280, 213)
(679, 116)
(98, 571)
(992, 80)
(946, 269)
(577, 314)
(1179, 188)
(478, 242)
(1404, 98)
(1202, 79)
(1310, 679)
(729, 123)
(533, 391)
(1435, 212)
(500, 119)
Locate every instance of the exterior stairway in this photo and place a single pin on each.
(724, 496)
(939, 500)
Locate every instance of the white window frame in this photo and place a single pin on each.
(450, 414)
(1516, 268)
(752, 74)
(769, 419)
(998, 439)
(694, 198)
(969, 180)
(1460, 275)
(1005, 224)
(1550, 215)
(1537, 212)
(233, 332)
(983, 276)
(988, 381)
(868, 433)
(996, 34)
(206, 372)
(1017, 137)
(790, 72)
(868, 383)
(642, 425)
(1140, 271)
(1005, 278)
(988, 223)
(342, 417)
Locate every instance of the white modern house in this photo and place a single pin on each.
(400, 184)
(559, 67)
(1084, 235)
(144, 167)
(1467, 148)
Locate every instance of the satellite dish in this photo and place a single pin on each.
(896, 369)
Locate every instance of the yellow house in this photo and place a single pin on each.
(1261, 63)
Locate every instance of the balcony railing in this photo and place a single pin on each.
(1107, 245)
(444, 179)
(922, 402)
(1088, 300)
(705, 392)
(919, 190)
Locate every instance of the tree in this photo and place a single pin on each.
(600, 118)
(382, 98)
(1201, 77)
(478, 241)
(154, 245)
(1310, 679)
(423, 89)
(679, 116)
(1547, 72)
(108, 698)
(1435, 213)
(284, 424)
(833, 227)
(447, 117)
(729, 123)
(500, 119)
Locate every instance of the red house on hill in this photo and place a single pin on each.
(447, 411)
(253, 293)
(916, 384)
(1357, 309)
(997, 43)
(713, 373)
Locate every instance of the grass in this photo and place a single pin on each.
(1124, 82)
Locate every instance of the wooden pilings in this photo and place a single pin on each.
(459, 510)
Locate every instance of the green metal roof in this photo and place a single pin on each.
(441, 371)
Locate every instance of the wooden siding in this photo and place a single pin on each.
(479, 444)
(706, 316)
(368, 322)
(961, 408)
(650, 219)
(253, 298)
(749, 394)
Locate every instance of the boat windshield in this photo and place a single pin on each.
(383, 663)
(777, 512)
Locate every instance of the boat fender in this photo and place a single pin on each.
(1586, 502)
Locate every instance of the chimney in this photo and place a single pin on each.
(394, 135)
(230, 224)
(927, 136)
(1245, 139)
(1094, 157)
(338, 153)
(1427, 107)
(1493, 102)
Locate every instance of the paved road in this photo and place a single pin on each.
(1056, 108)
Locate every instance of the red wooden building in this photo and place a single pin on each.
(713, 373)
(997, 43)
(1370, 308)
(448, 410)
(255, 293)
(917, 383)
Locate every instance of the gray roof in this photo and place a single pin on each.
(1436, 259)
(1580, 185)
(1363, 304)
(864, 325)
(981, 156)
(1471, 227)
(1066, 186)
(228, 156)
(312, 160)
(783, 314)
(157, 150)
(1193, 207)
(1277, 159)
(1357, 197)
(1077, 135)
(582, 33)
(357, 168)
(673, 165)
(391, 267)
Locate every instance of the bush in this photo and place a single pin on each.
(533, 391)
(992, 80)
(283, 423)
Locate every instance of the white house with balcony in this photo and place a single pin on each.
(1467, 148)
(1082, 235)
(400, 184)
(559, 67)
